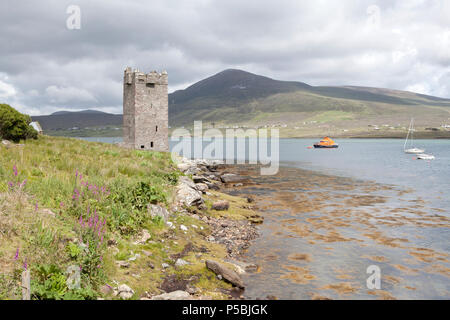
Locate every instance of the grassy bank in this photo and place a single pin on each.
(67, 203)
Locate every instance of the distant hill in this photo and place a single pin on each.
(62, 120)
(236, 97)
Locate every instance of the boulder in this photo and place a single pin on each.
(199, 179)
(174, 295)
(183, 167)
(243, 267)
(187, 194)
(213, 186)
(158, 211)
(227, 274)
(231, 178)
(202, 187)
(144, 237)
(220, 205)
(124, 291)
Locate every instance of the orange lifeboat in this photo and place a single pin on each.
(326, 143)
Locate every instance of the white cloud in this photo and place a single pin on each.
(6, 90)
(68, 94)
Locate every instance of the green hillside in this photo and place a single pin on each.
(236, 98)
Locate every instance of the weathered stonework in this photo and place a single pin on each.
(145, 110)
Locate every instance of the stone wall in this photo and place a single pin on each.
(145, 110)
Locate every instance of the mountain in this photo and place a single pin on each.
(236, 97)
(62, 120)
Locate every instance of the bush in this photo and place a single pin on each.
(15, 125)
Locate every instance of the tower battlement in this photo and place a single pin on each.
(145, 110)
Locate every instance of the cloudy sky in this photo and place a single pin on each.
(47, 64)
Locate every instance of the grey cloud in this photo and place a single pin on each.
(45, 67)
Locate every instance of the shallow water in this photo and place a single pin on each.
(365, 203)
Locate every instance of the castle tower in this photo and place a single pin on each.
(145, 110)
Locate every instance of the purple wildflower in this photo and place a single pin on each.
(15, 170)
(25, 264)
(17, 254)
(36, 206)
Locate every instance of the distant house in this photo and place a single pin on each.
(36, 126)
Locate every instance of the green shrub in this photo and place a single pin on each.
(48, 282)
(14, 125)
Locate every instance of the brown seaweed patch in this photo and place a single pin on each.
(379, 238)
(300, 257)
(427, 255)
(332, 236)
(405, 269)
(438, 269)
(391, 279)
(376, 258)
(315, 296)
(410, 288)
(341, 288)
(299, 275)
(381, 294)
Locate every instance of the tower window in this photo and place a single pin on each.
(150, 85)
(151, 144)
(142, 146)
(156, 129)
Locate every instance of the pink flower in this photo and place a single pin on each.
(17, 254)
(15, 170)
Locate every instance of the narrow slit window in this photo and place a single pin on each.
(151, 144)
(150, 85)
(156, 129)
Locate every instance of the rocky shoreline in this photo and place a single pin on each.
(236, 234)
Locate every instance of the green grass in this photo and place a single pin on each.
(40, 221)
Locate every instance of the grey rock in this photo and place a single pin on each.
(213, 186)
(158, 211)
(202, 187)
(165, 265)
(191, 290)
(123, 264)
(174, 295)
(187, 194)
(244, 267)
(220, 205)
(231, 178)
(124, 291)
(181, 262)
(199, 179)
(145, 236)
(227, 274)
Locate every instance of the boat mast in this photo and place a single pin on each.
(409, 129)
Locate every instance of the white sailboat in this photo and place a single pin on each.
(411, 149)
(424, 156)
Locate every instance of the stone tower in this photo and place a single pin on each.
(145, 110)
